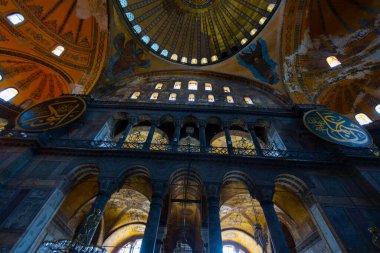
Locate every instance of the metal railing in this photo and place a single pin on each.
(46, 142)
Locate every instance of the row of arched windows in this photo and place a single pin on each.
(191, 97)
(192, 85)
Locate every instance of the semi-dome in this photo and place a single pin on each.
(196, 32)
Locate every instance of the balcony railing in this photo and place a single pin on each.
(53, 143)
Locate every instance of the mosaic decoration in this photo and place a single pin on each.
(126, 58)
(53, 113)
(336, 128)
(256, 59)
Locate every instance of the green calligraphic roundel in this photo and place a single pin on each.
(336, 128)
(51, 114)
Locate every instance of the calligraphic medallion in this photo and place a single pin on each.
(51, 114)
(336, 128)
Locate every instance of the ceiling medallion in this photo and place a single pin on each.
(196, 32)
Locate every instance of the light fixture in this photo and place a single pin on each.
(260, 237)
(71, 246)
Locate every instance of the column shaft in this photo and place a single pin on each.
(229, 141)
(177, 135)
(202, 137)
(151, 229)
(215, 230)
(125, 134)
(255, 141)
(279, 242)
(149, 138)
(94, 216)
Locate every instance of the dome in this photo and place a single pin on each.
(196, 32)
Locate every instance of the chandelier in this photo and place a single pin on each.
(68, 246)
(260, 237)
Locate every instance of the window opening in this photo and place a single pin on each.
(208, 86)
(8, 94)
(230, 100)
(363, 119)
(377, 108)
(135, 95)
(177, 85)
(58, 50)
(173, 97)
(333, 61)
(248, 101)
(16, 18)
(193, 85)
(154, 96)
(191, 97)
(159, 86)
(211, 98)
(226, 89)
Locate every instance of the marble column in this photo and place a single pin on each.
(150, 135)
(151, 229)
(202, 135)
(226, 127)
(251, 128)
(131, 122)
(87, 231)
(277, 236)
(177, 134)
(215, 231)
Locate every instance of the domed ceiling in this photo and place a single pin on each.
(196, 32)
(26, 59)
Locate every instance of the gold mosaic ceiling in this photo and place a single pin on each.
(196, 32)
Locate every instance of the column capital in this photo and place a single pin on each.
(108, 185)
(132, 119)
(213, 194)
(265, 194)
(159, 188)
(155, 122)
(202, 123)
(178, 122)
(226, 124)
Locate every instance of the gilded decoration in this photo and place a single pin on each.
(336, 128)
(51, 114)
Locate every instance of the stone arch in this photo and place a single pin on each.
(79, 173)
(314, 215)
(239, 176)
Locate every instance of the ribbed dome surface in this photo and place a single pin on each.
(196, 32)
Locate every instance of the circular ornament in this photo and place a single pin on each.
(336, 128)
(51, 114)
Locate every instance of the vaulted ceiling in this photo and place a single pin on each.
(288, 55)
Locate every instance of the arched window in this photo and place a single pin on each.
(191, 97)
(377, 108)
(363, 119)
(177, 85)
(131, 247)
(231, 249)
(1, 77)
(270, 7)
(193, 85)
(16, 18)
(155, 46)
(253, 31)
(248, 101)
(58, 50)
(184, 59)
(164, 52)
(146, 39)
(173, 97)
(214, 58)
(124, 3)
(332, 61)
(230, 100)
(8, 94)
(159, 86)
(137, 28)
(226, 89)
(194, 61)
(154, 96)
(211, 98)
(262, 20)
(204, 60)
(243, 41)
(174, 57)
(208, 86)
(135, 95)
(130, 16)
